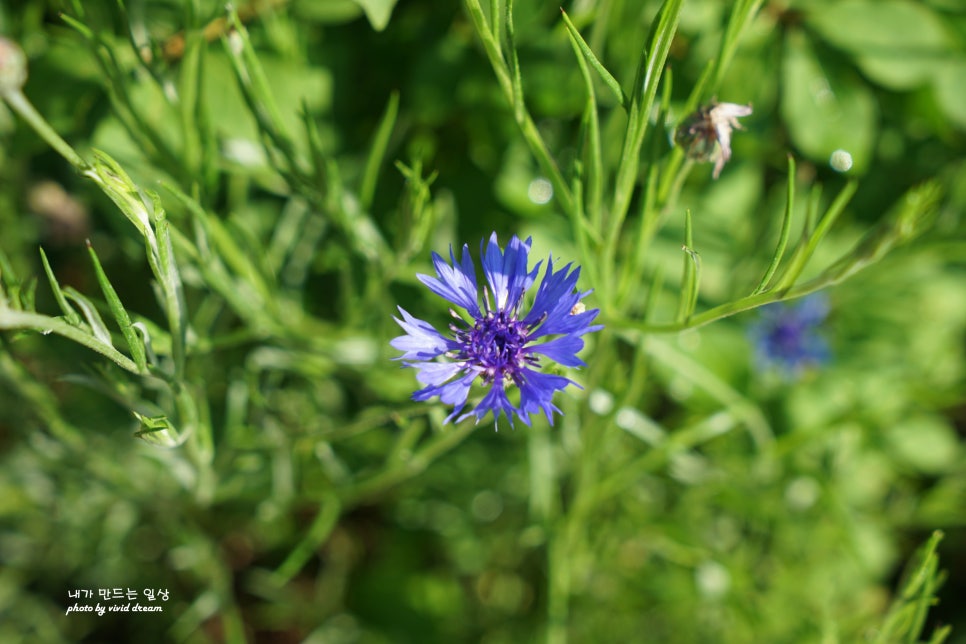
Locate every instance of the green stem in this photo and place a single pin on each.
(22, 106)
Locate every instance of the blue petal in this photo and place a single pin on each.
(553, 290)
(495, 401)
(435, 373)
(577, 324)
(422, 341)
(562, 350)
(554, 302)
(537, 390)
(812, 310)
(456, 283)
(506, 271)
(453, 393)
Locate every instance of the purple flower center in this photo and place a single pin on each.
(495, 345)
(788, 337)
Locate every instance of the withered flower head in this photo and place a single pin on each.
(705, 135)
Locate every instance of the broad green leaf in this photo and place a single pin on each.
(949, 82)
(896, 43)
(826, 109)
(925, 443)
(291, 85)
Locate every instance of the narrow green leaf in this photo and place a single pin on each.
(287, 234)
(170, 280)
(491, 44)
(741, 14)
(653, 58)
(917, 594)
(798, 262)
(583, 48)
(419, 215)
(377, 154)
(119, 187)
(13, 320)
(915, 212)
(691, 276)
(329, 511)
(786, 227)
(531, 134)
(70, 315)
(91, 316)
(591, 141)
(653, 293)
(519, 107)
(120, 314)
(649, 222)
(190, 106)
(252, 76)
(318, 157)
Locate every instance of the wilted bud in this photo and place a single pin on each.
(13, 66)
(705, 135)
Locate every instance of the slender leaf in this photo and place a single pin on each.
(584, 49)
(377, 154)
(786, 227)
(134, 342)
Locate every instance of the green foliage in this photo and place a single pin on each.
(198, 392)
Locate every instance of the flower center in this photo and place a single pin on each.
(787, 337)
(495, 344)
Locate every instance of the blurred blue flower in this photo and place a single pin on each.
(498, 344)
(788, 338)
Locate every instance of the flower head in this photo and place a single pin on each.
(706, 134)
(499, 342)
(788, 337)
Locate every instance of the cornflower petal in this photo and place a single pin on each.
(554, 293)
(562, 350)
(421, 342)
(436, 373)
(537, 390)
(506, 271)
(495, 401)
(567, 322)
(452, 393)
(455, 283)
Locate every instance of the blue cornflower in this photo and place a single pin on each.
(501, 343)
(788, 337)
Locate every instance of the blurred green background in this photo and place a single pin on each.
(687, 494)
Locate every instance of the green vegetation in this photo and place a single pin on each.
(210, 214)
